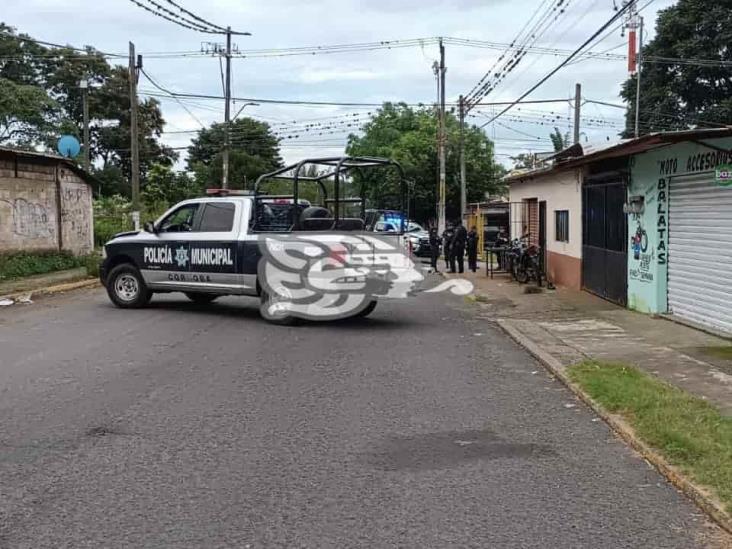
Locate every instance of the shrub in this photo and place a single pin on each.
(21, 264)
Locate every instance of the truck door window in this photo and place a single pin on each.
(179, 221)
(218, 217)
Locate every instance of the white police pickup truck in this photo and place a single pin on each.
(233, 243)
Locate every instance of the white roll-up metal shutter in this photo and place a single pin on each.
(700, 251)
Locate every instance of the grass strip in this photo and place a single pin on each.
(688, 431)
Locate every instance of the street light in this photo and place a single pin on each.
(242, 108)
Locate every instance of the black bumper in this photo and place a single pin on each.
(104, 271)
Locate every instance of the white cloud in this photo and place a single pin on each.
(368, 76)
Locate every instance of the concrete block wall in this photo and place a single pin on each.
(77, 227)
(29, 208)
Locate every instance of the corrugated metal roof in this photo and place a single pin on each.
(47, 156)
(624, 148)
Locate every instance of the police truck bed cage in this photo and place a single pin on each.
(326, 216)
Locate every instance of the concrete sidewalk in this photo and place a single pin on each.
(43, 282)
(573, 326)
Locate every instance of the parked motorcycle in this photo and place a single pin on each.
(523, 261)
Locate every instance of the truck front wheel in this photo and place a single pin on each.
(126, 287)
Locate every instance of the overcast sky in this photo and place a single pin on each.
(370, 76)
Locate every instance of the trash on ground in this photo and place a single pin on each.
(6, 302)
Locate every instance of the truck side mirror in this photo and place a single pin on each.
(148, 227)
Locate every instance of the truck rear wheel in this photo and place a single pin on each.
(366, 311)
(126, 287)
(279, 317)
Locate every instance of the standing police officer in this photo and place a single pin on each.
(447, 245)
(472, 247)
(434, 248)
(457, 248)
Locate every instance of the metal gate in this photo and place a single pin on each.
(700, 251)
(604, 247)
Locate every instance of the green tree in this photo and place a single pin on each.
(559, 140)
(524, 161)
(678, 93)
(26, 113)
(166, 187)
(112, 127)
(45, 99)
(409, 136)
(21, 60)
(254, 151)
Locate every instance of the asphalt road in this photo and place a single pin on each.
(186, 426)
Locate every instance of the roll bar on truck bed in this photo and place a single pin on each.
(336, 168)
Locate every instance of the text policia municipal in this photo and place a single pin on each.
(165, 255)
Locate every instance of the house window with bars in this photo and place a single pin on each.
(561, 225)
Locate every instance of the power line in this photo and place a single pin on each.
(154, 83)
(336, 103)
(576, 52)
(508, 48)
(87, 50)
(178, 21)
(575, 23)
(180, 17)
(534, 34)
(196, 17)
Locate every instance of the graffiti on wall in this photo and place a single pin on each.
(30, 219)
(75, 205)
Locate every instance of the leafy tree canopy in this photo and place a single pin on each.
(254, 150)
(40, 99)
(167, 187)
(26, 113)
(560, 140)
(409, 136)
(679, 93)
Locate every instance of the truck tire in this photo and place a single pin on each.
(279, 318)
(201, 298)
(126, 287)
(367, 310)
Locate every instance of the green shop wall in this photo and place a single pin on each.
(648, 251)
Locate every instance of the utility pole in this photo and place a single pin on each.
(441, 143)
(577, 107)
(227, 112)
(84, 85)
(134, 135)
(639, 70)
(463, 190)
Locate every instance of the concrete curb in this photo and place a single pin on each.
(703, 499)
(58, 288)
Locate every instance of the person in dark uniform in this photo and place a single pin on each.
(447, 245)
(502, 241)
(472, 248)
(457, 248)
(434, 248)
